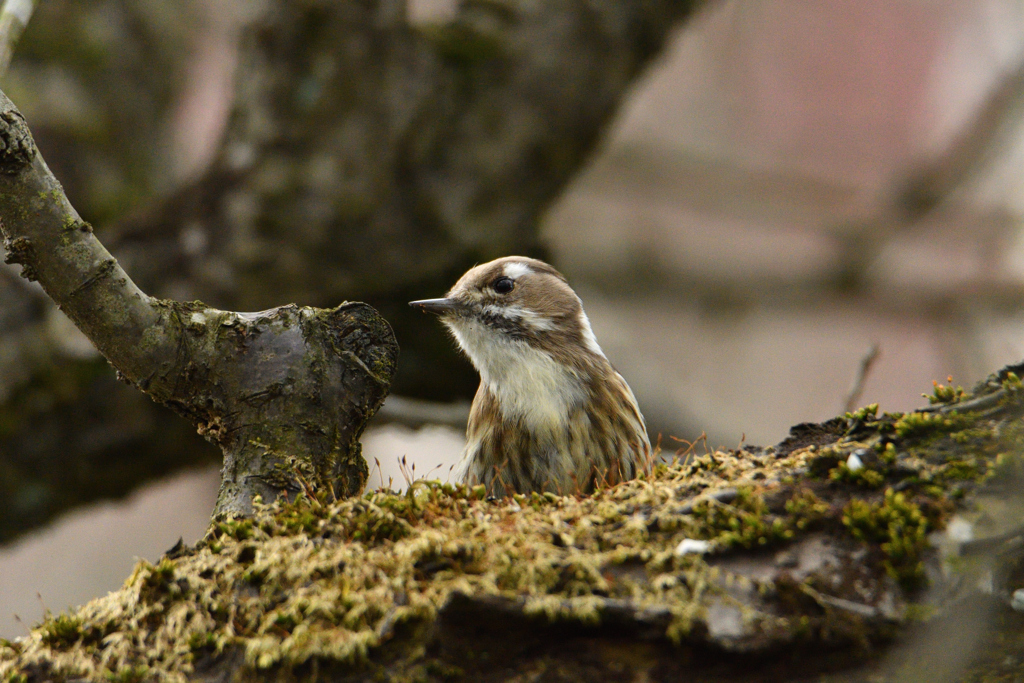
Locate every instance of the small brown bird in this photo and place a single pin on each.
(551, 413)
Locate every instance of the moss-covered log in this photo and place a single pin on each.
(285, 392)
(869, 547)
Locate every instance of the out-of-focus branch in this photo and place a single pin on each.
(14, 17)
(410, 151)
(977, 144)
(412, 412)
(934, 181)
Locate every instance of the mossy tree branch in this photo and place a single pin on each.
(285, 393)
(358, 144)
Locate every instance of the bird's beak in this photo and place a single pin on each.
(438, 306)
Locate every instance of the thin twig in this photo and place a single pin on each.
(861, 377)
(14, 18)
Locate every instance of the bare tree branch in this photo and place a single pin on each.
(982, 138)
(413, 412)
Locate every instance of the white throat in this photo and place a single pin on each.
(528, 383)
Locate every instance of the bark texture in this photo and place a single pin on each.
(285, 393)
(98, 79)
(367, 159)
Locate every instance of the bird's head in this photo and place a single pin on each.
(502, 307)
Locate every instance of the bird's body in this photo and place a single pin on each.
(551, 413)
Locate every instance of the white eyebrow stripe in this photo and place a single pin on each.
(516, 269)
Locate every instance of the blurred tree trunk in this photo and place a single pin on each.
(365, 158)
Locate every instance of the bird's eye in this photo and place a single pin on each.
(503, 285)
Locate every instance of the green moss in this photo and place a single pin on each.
(899, 526)
(743, 523)
(1006, 467)
(157, 582)
(863, 476)
(746, 522)
(918, 425)
(805, 509)
(351, 582)
(238, 529)
(131, 674)
(204, 643)
(1012, 384)
(865, 414)
(945, 395)
(296, 517)
(62, 630)
(374, 524)
(970, 435)
(704, 463)
(968, 469)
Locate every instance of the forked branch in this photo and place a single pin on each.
(284, 392)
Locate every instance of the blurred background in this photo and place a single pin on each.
(773, 189)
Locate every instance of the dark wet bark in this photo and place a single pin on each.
(365, 159)
(285, 392)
